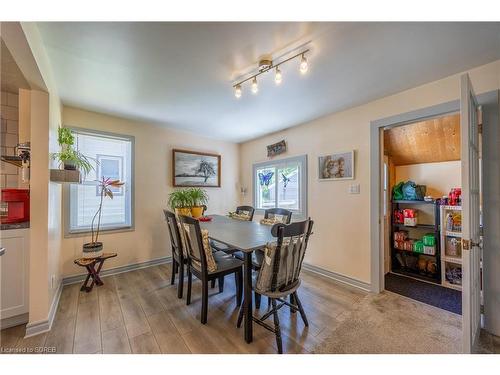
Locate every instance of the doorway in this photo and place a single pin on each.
(422, 211)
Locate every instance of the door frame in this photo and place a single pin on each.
(376, 165)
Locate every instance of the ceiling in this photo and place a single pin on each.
(180, 75)
(428, 141)
(11, 77)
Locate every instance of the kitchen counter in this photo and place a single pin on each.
(24, 225)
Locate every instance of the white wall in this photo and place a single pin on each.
(153, 183)
(341, 241)
(439, 178)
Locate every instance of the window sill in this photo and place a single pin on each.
(103, 232)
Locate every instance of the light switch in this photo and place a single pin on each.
(354, 189)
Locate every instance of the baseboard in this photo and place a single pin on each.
(14, 321)
(114, 271)
(346, 280)
(42, 326)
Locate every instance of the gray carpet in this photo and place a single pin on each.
(390, 323)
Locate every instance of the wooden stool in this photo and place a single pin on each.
(90, 265)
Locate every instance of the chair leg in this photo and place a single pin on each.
(212, 285)
(190, 281)
(257, 300)
(238, 276)
(277, 327)
(180, 287)
(172, 279)
(204, 302)
(292, 302)
(240, 317)
(301, 309)
(221, 284)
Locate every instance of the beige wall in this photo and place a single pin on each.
(439, 178)
(341, 241)
(153, 183)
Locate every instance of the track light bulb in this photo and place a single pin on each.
(237, 91)
(255, 87)
(303, 65)
(278, 77)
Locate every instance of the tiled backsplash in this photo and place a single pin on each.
(9, 138)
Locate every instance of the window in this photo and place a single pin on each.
(282, 183)
(112, 156)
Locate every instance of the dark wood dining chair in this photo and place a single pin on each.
(284, 213)
(178, 257)
(279, 276)
(198, 265)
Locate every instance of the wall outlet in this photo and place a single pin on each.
(354, 189)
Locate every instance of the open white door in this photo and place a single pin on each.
(471, 293)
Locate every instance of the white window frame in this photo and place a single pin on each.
(130, 226)
(301, 213)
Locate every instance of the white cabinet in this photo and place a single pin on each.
(14, 274)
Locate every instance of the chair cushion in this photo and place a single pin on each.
(242, 215)
(211, 264)
(275, 219)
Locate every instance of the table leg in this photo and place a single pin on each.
(247, 303)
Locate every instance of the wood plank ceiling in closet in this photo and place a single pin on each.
(428, 141)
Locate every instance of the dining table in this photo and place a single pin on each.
(246, 236)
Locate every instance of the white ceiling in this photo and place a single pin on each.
(181, 74)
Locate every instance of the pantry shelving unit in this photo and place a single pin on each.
(420, 229)
(451, 245)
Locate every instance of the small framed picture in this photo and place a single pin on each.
(337, 166)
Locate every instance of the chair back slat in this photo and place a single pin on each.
(175, 239)
(273, 212)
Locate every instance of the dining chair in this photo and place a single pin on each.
(247, 210)
(286, 215)
(207, 265)
(279, 276)
(178, 257)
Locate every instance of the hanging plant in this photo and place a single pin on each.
(68, 157)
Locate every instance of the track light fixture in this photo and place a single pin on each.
(265, 65)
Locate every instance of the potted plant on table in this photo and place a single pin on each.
(68, 157)
(199, 198)
(181, 202)
(93, 249)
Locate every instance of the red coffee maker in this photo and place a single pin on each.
(15, 206)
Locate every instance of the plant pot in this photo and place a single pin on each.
(184, 211)
(69, 166)
(197, 211)
(92, 250)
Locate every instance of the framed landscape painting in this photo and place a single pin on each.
(338, 166)
(195, 169)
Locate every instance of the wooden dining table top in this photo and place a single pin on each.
(246, 236)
